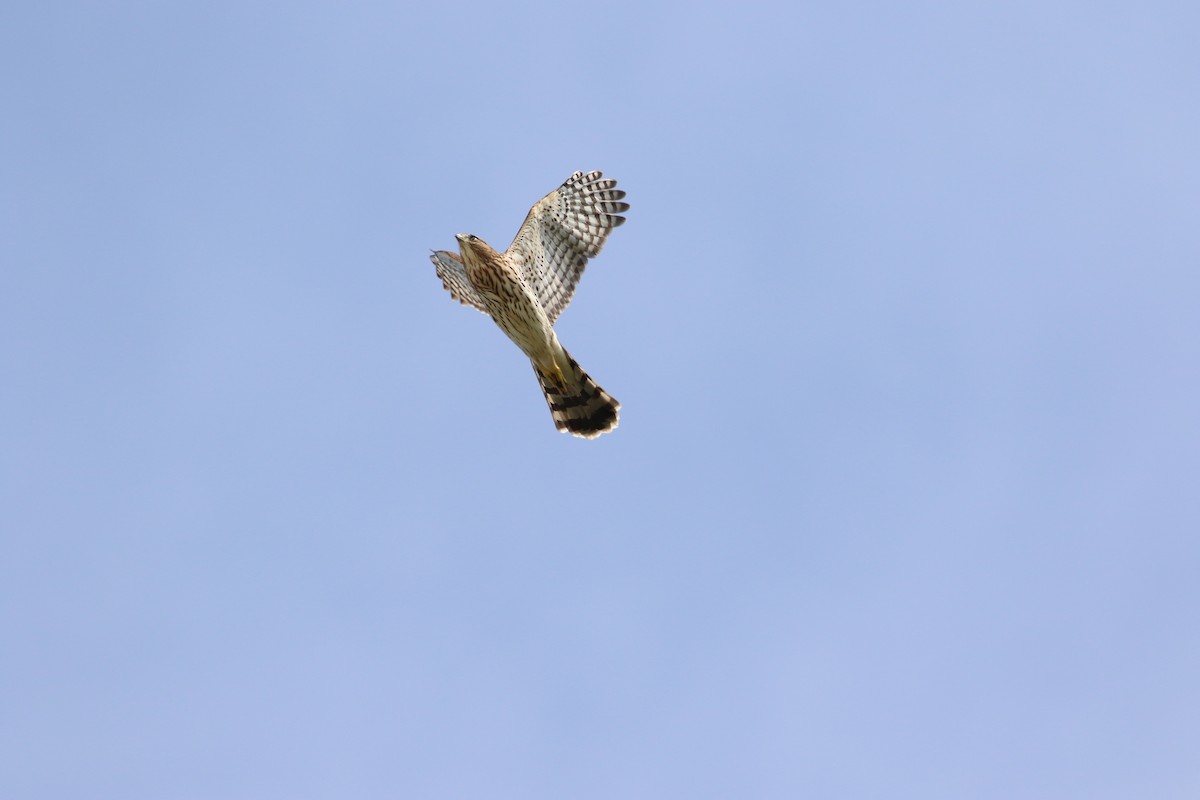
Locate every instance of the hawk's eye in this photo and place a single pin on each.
(473, 238)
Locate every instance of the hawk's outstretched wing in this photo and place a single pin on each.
(563, 230)
(454, 277)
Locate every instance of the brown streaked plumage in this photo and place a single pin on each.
(526, 287)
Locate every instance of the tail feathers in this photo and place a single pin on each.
(577, 403)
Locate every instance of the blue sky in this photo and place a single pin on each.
(903, 323)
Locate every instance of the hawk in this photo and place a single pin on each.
(526, 287)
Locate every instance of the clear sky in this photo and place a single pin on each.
(905, 324)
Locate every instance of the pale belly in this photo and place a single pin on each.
(516, 311)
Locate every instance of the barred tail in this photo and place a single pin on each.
(577, 403)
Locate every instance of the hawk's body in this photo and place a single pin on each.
(526, 287)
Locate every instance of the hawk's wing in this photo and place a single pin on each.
(454, 277)
(563, 230)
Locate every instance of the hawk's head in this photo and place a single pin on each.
(473, 248)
